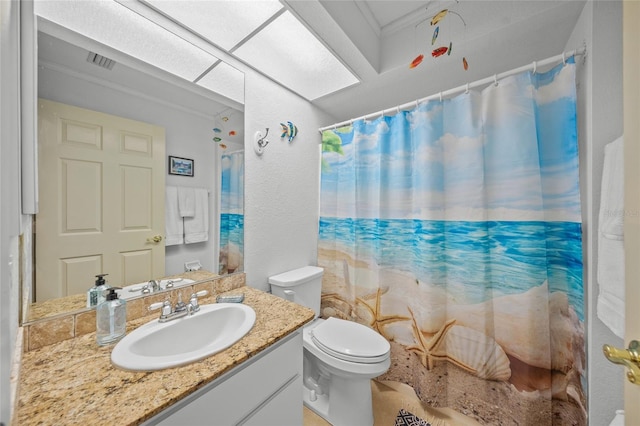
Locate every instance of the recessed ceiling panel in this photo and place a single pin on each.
(224, 23)
(225, 80)
(288, 52)
(116, 26)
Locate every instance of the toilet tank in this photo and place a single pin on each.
(302, 286)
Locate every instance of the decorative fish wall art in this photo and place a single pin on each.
(289, 131)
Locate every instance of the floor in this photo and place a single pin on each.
(389, 397)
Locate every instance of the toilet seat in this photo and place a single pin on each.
(350, 341)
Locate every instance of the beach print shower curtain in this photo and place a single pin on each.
(232, 213)
(454, 231)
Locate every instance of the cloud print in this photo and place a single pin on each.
(471, 158)
(562, 86)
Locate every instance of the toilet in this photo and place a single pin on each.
(340, 357)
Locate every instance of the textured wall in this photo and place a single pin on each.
(282, 185)
(600, 122)
(10, 218)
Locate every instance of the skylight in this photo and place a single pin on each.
(118, 27)
(225, 80)
(288, 52)
(261, 33)
(223, 23)
(284, 49)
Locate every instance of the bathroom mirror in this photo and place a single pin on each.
(203, 122)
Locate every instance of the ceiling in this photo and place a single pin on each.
(371, 40)
(378, 39)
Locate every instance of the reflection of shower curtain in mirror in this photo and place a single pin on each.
(454, 231)
(232, 213)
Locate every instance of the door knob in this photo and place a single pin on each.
(155, 239)
(630, 358)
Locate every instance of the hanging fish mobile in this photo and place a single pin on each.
(289, 131)
(220, 128)
(441, 50)
(417, 61)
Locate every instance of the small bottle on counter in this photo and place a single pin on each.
(111, 318)
(97, 293)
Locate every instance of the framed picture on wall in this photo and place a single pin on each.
(180, 166)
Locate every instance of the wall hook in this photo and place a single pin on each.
(261, 141)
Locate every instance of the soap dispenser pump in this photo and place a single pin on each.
(96, 294)
(111, 318)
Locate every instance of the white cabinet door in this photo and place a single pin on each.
(264, 390)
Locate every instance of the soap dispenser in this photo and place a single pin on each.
(96, 294)
(111, 318)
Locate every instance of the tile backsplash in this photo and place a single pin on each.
(47, 331)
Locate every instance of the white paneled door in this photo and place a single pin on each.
(101, 187)
(631, 90)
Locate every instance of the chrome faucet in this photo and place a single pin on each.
(151, 287)
(181, 309)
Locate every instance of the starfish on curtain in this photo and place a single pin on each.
(425, 348)
(378, 320)
(374, 319)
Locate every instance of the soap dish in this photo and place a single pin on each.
(231, 298)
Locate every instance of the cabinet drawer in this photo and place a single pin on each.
(280, 410)
(238, 393)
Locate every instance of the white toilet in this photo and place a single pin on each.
(340, 357)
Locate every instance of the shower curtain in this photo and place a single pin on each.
(454, 231)
(231, 257)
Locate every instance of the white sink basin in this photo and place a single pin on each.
(155, 345)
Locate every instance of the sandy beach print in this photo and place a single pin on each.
(451, 356)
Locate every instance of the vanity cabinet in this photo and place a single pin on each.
(264, 390)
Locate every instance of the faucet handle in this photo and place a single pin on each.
(154, 306)
(193, 301)
(166, 307)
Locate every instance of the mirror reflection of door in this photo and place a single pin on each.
(101, 200)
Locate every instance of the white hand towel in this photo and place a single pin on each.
(610, 306)
(196, 228)
(173, 222)
(186, 201)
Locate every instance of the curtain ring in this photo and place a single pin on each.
(495, 80)
(398, 109)
(467, 91)
(535, 67)
(564, 60)
(417, 104)
(440, 96)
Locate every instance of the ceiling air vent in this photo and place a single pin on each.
(101, 61)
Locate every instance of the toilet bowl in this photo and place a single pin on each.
(337, 376)
(340, 357)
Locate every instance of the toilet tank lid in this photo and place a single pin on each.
(296, 276)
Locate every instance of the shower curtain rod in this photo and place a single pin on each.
(533, 66)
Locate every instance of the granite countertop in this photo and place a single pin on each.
(74, 383)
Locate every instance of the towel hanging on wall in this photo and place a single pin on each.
(173, 221)
(186, 201)
(196, 228)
